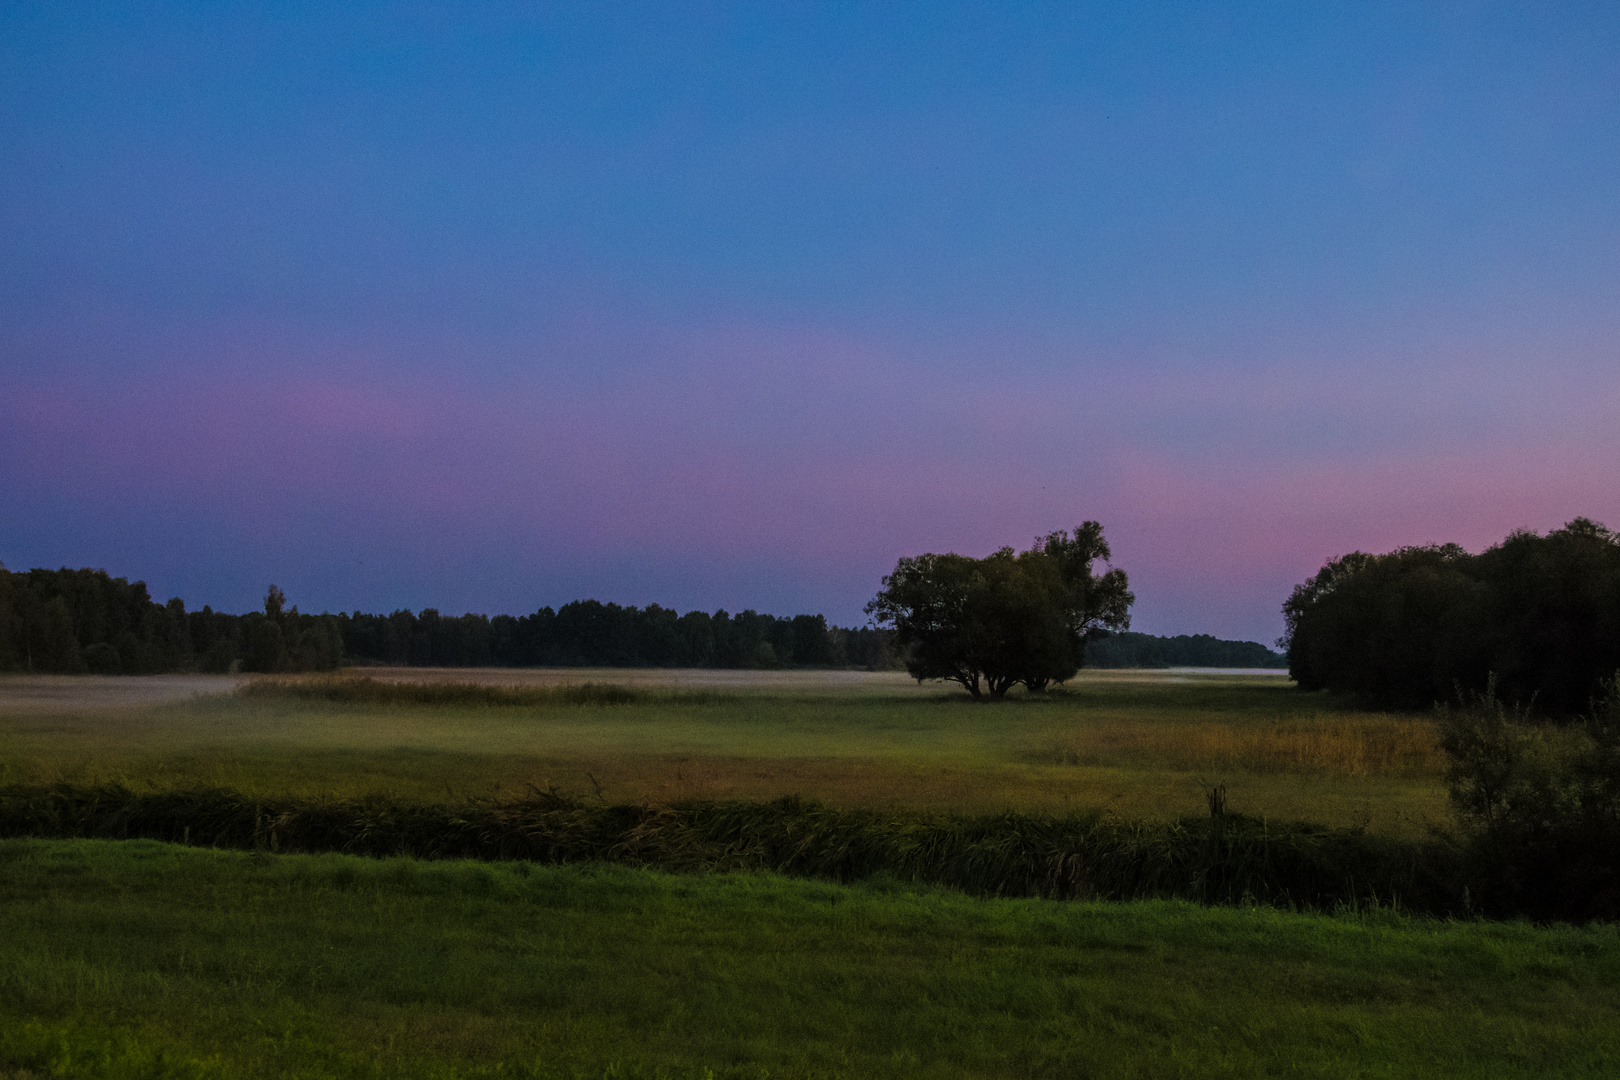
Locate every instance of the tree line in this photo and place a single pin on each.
(87, 621)
(588, 633)
(1536, 619)
(1127, 649)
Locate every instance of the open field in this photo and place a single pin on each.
(151, 960)
(144, 959)
(21, 694)
(1140, 745)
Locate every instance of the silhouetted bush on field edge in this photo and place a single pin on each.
(1224, 859)
(1539, 803)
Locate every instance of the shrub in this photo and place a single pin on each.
(1539, 804)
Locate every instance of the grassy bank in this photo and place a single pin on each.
(1222, 858)
(143, 959)
(1133, 746)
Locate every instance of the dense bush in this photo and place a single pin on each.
(1540, 806)
(1408, 629)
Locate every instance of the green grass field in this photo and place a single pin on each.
(1142, 747)
(139, 959)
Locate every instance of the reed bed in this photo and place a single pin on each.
(364, 690)
(1223, 859)
(1364, 746)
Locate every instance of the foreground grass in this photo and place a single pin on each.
(144, 959)
(1141, 748)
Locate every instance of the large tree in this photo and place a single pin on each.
(1008, 618)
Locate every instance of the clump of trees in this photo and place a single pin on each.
(1009, 618)
(1538, 614)
(86, 621)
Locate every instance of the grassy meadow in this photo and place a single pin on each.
(135, 958)
(141, 959)
(1139, 746)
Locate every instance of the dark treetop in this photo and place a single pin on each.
(1007, 618)
(1407, 629)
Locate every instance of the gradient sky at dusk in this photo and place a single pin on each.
(490, 306)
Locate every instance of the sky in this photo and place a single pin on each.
(489, 306)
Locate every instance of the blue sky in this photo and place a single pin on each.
(499, 305)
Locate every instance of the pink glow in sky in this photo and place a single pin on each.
(484, 308)
(789, 473)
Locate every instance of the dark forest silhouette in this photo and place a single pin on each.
(86, 621)
(1537, 618)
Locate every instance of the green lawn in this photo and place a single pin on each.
(1141, 747)
(143, 959)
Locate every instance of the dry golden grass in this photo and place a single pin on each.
(1138, 745)
(1360, 745)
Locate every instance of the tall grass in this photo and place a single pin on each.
(1361, 746)
(1132, 748)
(364, 690)
(1226, 858)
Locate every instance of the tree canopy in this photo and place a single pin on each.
(71, 621)
(1536, 617)
(76, 621)
(1008, 618)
